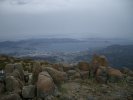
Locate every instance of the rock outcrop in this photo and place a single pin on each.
(28, 92)
(9, 68)
(13, 85)
(57, 76)
(35, 72)
(84, 66)
(45, 85)
(78, 81)
(102, 74)
(114, 75)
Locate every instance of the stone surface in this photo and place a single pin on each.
(45, 85)
(11, 97)
(19, 67)
(28, 91)
(58, 67)
(67, 67)
(84, 66)
(35, 72)
(2, 89)
(102, 75)
(9, 68)
(13, 85)
(114, 75)
(57, 76)
(84, 74)
(99, 60)
(71, 72)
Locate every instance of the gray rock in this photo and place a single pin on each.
(11, 97)
(28, 91)
(35, 72)
(45, 85)
(19, 67)
(1, 88)
(91, 98)
(13, 85)
(9, 68)
(57, 76)
(71, 72)
(66, 97)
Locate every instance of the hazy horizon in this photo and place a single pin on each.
(78, 19)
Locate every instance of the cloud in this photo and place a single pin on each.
(20, 2)
(34, 6)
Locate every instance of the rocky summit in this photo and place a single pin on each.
(27, 79)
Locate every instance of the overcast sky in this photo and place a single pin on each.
(21, 19)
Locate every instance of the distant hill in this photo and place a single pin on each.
(118, 55)
(24, 47)
(70, 50)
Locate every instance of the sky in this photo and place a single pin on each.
(22, 19)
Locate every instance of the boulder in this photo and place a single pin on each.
(16, 74)
(9, 68)
(96, 62)
(99, 61)
(101, 75)
(127, 71)
(67, 67)
(71, 72)
(13, 84)
(130, 80)
(26, 76)
(45, 85)
(57, 76)
(19, 67)
(77, 75)
(11, 97)
(58, 67)
(114, 75)
(84, 66)
(2, 88)
(35, 71)
(28, 92)
(84, 74)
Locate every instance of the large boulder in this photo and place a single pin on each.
(28, 92)
(101, 75)
(96, 62)
(84, 66)
(35, 71)
(99, 61)
(19, 67)
(13, 84)
(45, 85)
(114, 75)
(9, 68)
(57, 76)
(16, 74)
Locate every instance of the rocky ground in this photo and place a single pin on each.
(24, 79)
